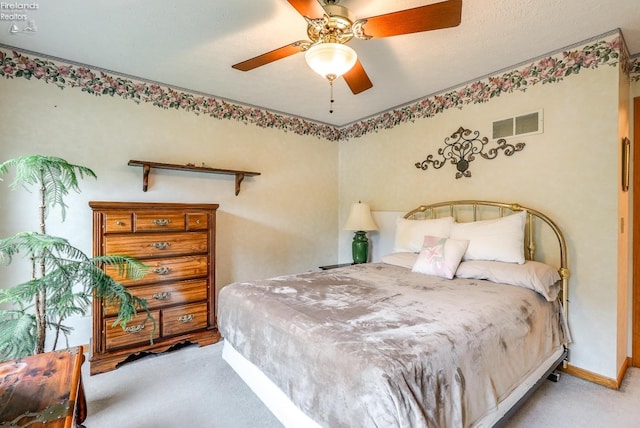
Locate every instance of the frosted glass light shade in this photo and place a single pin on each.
(330, 60)
(360, 218)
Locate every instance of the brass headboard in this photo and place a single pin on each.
(471, 210)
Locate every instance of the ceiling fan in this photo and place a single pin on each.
(331, 26)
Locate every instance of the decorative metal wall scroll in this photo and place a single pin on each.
(460, 149)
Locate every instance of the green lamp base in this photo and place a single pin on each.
(360, 247)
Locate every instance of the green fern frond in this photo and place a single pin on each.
(56, 175)
(65, 329)
(37, 245)
(128, 267)
(17, 334)
(22, 293)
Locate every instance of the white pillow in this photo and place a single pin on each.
(440, 256)
(405, 260)
(410, 233)
(501, 239)
(533, 275)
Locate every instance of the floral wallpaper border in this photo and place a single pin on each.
(550, 69)
(634, 69)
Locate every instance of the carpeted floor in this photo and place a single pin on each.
(194, 387)
(577, 403)
(187, 387)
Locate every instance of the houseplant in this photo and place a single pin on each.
(62, 278)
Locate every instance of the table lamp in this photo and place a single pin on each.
(360, 220)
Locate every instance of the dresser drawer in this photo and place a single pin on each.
(167, 294)
(166, 269)
(183, 319)
(159, 221)
(197, 221)
(115, 222)
(136, 332)
(156, 244)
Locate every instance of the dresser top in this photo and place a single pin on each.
(105, 205)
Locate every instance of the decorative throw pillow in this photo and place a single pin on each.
(440, 256)
(410, 233)
(533, 275)
(405, 260)
(501, 239)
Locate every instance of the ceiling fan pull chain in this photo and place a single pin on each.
(331, 96)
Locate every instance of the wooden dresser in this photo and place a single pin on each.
(177, 242)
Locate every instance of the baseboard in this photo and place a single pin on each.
(597, 378)
(623, 369)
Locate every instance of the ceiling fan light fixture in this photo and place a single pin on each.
(330, 60)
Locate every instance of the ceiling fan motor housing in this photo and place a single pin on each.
(334, 28)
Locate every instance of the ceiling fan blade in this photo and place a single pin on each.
(309, 8)
(357, 79)
(423, 18)
(268, 57)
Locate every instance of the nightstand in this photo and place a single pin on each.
(327, 267)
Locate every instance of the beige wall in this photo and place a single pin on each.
(282, 221)
(569, 172)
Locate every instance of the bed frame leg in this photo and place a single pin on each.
(554, 376)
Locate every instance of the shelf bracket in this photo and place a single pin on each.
(145, 176)
(239, 178)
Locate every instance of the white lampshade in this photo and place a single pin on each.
(330, 60)
(360, 218)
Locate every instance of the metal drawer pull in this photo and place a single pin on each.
(161, 221)
(198, 221)
(134, 329)
(119, 223)
(161, 245)
(186, 318)
(162, 270)
(161, 296)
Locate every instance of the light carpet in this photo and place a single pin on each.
(194, 386)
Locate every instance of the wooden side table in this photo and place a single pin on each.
(43, 390)
(327, 267)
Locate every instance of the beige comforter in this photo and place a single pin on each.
(375, 345)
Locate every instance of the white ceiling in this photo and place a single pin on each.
(193, 43)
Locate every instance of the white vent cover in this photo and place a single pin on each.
(525, 124)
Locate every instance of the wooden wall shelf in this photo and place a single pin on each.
(147, 165)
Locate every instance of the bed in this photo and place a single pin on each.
(454, 328)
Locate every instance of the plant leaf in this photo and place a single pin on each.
(55, 175)
(17, 334)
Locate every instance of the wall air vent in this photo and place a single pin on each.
(517, 126)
